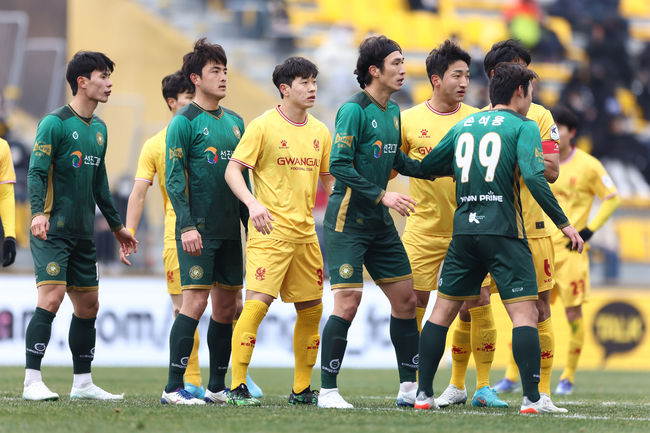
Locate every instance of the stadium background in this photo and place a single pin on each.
(591, 55)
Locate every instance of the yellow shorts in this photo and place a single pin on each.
(426, 254)
(295, 271)
(172, 271)
(544, 261)
(572, 282)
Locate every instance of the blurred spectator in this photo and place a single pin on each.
(607, 51)
(525, 21)
(424, 5)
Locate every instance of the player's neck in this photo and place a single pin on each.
(205, 101)
(505, 107)
(381, 94)
(566, 152)
(439, 104)
(83, 106)
(292, 112)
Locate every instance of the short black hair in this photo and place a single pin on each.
(175, 84)
(83, 63)
(292, 68)
(372, 51)
(204, 52)
(505, 51)
(440, 58)
(507, 78)
(564, 116)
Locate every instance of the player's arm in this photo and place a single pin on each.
(603, 187)
(134, 210)
(326, 178)
(48, 134)
(550, 146)
(403, 164)
(531, 164)
(439, 161)
(327, 181)
(7, 204)
(177, 144)
(551, 166)
(244, 214)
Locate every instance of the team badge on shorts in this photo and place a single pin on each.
(260, 274)
(100, 138)
(52, 268)
(236, 131)
(346, 270)
(196, 272)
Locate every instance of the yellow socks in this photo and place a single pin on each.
(305, 345)
(243, 339)
(419, 315)
(193, 372)
(483, 342)
(512, 371)
(576, 342)
(461, 350)
(547, 344)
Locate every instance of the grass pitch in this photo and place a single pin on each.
(603, 402)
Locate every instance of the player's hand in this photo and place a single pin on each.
(192, 242)
(576, 242)
(128, 244)
(585, 234)
(403, 204)
(40, 226)
(260, 217)
(8, 251)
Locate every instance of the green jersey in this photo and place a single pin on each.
(199, 145)
(366, 147)
(67, 174)
(487, 152)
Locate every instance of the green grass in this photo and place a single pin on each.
(603, 402)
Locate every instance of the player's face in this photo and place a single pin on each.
(302, 92)
(98, 86)
(455, 81)
(527, 100)
(213, 80)
(565, 136)
(184, 98)
(394, 72)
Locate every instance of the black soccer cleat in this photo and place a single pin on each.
(307, 396)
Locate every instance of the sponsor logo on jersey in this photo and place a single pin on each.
(303, 163)
(473, 218)
(236, 131)
(424, 150)
(555, 134)
(260, 274)
(396, 122)
(343, 140)
(52, 268)
(42, 149)
(76, 159)
(376, 148)
(75, 135)
(205, 131)
(100, 138)
(316, 144)
(176, 153)
(424, 133)
(346, 271)
(212, 154)
(196, 272)
(374, 123)
(283, 144)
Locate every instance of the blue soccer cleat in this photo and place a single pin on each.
(255, 390)
(564, 387)
(505, 385)
(196, 391)
(487, 397)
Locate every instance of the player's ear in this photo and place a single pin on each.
(285, 89)
(374, 71)
(195, 78)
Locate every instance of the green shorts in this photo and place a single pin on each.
(381, 252)
(220, 264)
(63, 260)
(470, 257)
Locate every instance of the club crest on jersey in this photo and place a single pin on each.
(52, 269)
(555, 134)
(100, 138)
(236, 131)
(196, 272)
(212, 154)
(283, 144)
(374, 123)
(76, 158)
(376, 148)
(316, 144)
(396, 122)
(424, 133)
(346, 270)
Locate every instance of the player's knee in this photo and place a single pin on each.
(51, 302)
(543, 311)
(405, 305)
(225, 313)
(348, 310)
(464, 315)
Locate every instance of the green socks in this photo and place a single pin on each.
(219, 344)
(527, 354)
(432, 347)
(37, 336)
(181, 340)
(334, 340)
(404, 335)
(81, 339)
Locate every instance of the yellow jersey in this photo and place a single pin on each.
(151, 163)
(422, 129)
(582, 177)
(286, 159)
(7, 174)
(7, 200)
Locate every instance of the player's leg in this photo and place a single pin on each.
(576, 342)
(253, 387)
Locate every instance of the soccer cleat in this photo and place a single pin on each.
(38, 391)
(219, 397)
(425, 402)
(180, 397)
(564, 387)
(255, 390)
(196, 391)
(487, 397)
(543, 405)
(452, 395)
(307, 396)
(93, 392)
(240, 396)
(506, 385)
(331, 399)
(406, 394)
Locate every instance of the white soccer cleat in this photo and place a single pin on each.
(425, 402)
(181, 397)
(220, 397)
(406, 394)
(331, 399)
(38, 391)
(93, 392)
(543, 405)
(452, 395)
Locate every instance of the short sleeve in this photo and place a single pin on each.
(249, 149)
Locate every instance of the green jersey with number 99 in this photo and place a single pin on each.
(487, 152)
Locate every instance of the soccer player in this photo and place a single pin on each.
(486, 153)
(358, 227)
(582, 178)
(288, 150)
(66, 179)
(7, 204)
(200, 140)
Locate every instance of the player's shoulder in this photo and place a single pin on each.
(586, 159)
(466, 109)
(414, 111)
(231, 113)
(4, 145)
(189, 112)
(538, 113)
(156, 140)
(357, 102)
(316, 124)
(56, 117)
